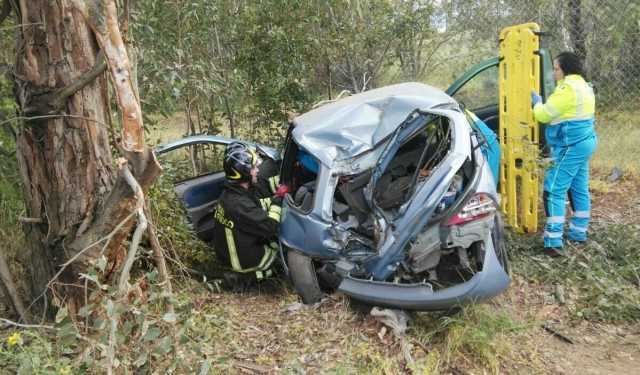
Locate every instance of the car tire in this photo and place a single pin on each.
(499, 243)
(304, 278)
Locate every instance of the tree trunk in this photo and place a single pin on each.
(65, 160)
(576, 28)
(71, 188)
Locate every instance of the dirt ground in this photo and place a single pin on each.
(596, 348)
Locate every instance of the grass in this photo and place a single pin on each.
(477, 337)
(600, 279)
(618, 134)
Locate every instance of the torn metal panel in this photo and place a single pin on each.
(354, 125)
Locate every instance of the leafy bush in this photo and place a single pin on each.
(173, 230)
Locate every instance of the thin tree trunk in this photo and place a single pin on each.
(576, 28)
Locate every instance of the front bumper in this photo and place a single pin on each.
(489, 282)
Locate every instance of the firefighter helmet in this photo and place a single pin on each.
(239, 159)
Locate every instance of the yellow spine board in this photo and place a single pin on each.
(519, 71)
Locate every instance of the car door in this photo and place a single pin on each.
(195, 165)
(477, 89)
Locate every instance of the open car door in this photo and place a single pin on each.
(196, 166)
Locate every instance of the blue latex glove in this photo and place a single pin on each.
(535, 98)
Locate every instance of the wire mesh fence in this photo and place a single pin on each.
(605, 33)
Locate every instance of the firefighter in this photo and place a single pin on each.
(268, 178)
(570, 135)
(245, 225)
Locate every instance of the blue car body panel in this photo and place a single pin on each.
(316, 234)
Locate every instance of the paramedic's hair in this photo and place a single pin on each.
(570, 63)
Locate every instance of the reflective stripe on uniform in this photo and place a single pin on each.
(555, 220)
(268, 258)
(551, 111)
(577, 228)
(265, 203)
(274, 212)
(273, 183)
(266, 261)
(553, 234)
(262, 275)
(572, 100)
(582, 214)
(575, 118)
(233, 253)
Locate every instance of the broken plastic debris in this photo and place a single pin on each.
(394, 319)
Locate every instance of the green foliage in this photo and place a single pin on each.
(130, 333)
(252, 64)
(601, 277)
(33, 352)
(173, 231)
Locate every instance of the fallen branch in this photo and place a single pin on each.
(10, 289)
(161, 264)
(16, 324)
(30, 220)
(137, 235)
(557, 334)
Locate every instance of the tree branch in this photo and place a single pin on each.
(85, 78)
(160, 261)
(10, 288)
(54, 102)
(137, 235)
(12, 323)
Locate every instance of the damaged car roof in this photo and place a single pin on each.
(353, 125)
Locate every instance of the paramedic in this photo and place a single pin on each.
(569, 117)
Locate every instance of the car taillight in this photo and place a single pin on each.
(479, 206)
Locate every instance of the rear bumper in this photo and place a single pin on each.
(489, 282)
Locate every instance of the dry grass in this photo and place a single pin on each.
(618, 135)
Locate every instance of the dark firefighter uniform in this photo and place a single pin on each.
(268, 178)
(245, 233)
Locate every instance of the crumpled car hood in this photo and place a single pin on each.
(355, 124)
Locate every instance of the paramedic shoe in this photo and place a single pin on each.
(554, 251)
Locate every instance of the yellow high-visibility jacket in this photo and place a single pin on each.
(569, 112)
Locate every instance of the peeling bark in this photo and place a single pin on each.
(65, 161)
(103, 19)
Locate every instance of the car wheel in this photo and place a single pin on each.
(499, 243)
(304, 277)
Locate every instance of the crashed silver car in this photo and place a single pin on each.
(392, 202)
